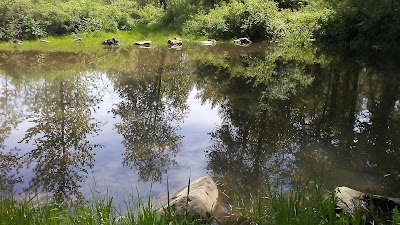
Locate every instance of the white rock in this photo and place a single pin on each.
(350, 199)
(202, 199)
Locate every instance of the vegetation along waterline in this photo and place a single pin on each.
(58, 94)
(225, 76)
(305, 204)
(350, 23)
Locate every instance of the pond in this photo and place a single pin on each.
(127, 121)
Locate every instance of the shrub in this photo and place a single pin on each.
(17, 20)
(149, 14)
(250, 18)
(364, 23)
(28, 19)
(296, 27)
(178, 13)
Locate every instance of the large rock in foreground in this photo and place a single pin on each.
(202, 199)
(350, 200)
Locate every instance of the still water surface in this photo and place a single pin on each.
(124, 121)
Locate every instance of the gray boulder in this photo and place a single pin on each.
(111, 41)
(242, 41)
(350, 200)
(202, 199)
(175, 41)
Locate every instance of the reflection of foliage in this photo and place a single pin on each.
(278, 108)
(150, 110)
(252, 149)
(277, 75)
(61, 112)
(253, 144)
(10, 163)
(354, 121)
(9, 118)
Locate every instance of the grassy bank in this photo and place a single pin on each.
(301, 205)
(13, 212)
(91, 42)
(348, 23)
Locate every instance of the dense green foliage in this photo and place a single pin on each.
(352, 22)
(26, 19)
(254, 18)
(358, 23)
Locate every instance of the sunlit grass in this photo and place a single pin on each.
(99, 212)
(301, 205)
(91, 42)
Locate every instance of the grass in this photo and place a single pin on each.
(301, 205)
(91, 42)
(309, 204)
(13, 212)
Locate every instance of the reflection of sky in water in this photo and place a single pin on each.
(325, 146)
(363, 117)
(109, 176)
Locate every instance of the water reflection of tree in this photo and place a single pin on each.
(61, 111)
(355, 121)
(10, 161)
(276, 122)
(153, 103)
(253, 146)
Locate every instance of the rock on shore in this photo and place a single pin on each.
(201, 200)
